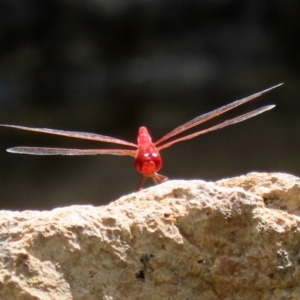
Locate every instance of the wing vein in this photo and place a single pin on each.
(62, 151)
(74, 134)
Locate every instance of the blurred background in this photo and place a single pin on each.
(111, 66)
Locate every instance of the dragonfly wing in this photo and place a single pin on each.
(74, 134)
(221, 125)
(203, 118)
(62, 151)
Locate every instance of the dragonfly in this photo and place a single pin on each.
(147, 156)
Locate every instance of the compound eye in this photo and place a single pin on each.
(157, 160)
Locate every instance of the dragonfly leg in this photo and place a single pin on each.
(158, 178)
(141, 183)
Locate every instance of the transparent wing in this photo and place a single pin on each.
(74, 134)
(221, 125)
(203, 118)
(62, 151)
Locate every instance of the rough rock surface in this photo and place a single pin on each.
(237, 238)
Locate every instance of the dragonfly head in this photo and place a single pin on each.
(148, 162)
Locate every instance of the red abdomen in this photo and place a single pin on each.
(148, 160)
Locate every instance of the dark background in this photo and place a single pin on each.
(111, 66)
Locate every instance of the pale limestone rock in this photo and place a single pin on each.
(280, 191)
(237, 238)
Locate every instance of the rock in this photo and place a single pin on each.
(237, 238)
(280, 191)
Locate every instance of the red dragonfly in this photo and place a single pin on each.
(146, 153)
